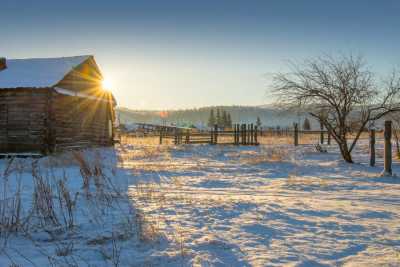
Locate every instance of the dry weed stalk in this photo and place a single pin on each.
(54, 206)
(84, 169)
(65, 249)
(10, 206)
(43, 202)
(116, 251)
(180, 239)
(115, 255)
(10, 215)
(67, 203)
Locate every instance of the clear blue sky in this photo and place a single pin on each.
(181, 54)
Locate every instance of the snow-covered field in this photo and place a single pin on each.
(201, 205)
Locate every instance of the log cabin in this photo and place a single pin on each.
(53, 104)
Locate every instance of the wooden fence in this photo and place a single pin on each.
(248, 134)
(240, 134)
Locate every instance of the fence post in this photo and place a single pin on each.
(248, 134)
(237, 132)
(252, 134)
(296, 135)
(242, 133)
(250, 137)
(372, 147)
(176, 137)
(329, 138)
(161, 136)
(388, 148)
(255, 135)
(181, 136)
(211, 136)
(245, 134)
(234, 133)
(321, 125)
(187, 137)
(215, 134)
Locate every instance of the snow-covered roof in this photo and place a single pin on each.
(37, 72)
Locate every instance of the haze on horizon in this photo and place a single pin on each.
(184, 54)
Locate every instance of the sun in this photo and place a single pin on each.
(106, 83)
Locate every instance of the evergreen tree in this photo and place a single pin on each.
(306, 124)
(258, 122)
(211, 119)
(229, 120)
(219, 118)
(224, 120)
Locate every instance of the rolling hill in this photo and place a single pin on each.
(270, 116)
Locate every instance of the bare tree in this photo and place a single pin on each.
(339, 92)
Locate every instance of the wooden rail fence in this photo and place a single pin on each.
(247, 134)
(240, 134)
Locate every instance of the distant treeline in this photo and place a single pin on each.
(200, 117)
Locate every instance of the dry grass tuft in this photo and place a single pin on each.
(65, 250)
(67, 203)
(273, 154)
(147, 230)
(10, 214)
(43, 201)
(52, 210)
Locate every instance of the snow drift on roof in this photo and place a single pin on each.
(37, 72)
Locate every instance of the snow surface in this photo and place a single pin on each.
(218, 206)
(37, 72)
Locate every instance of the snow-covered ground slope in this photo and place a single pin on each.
(273, 206)
(205, 206)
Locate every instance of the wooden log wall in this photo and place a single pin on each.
(80, 122)
(23, 114)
